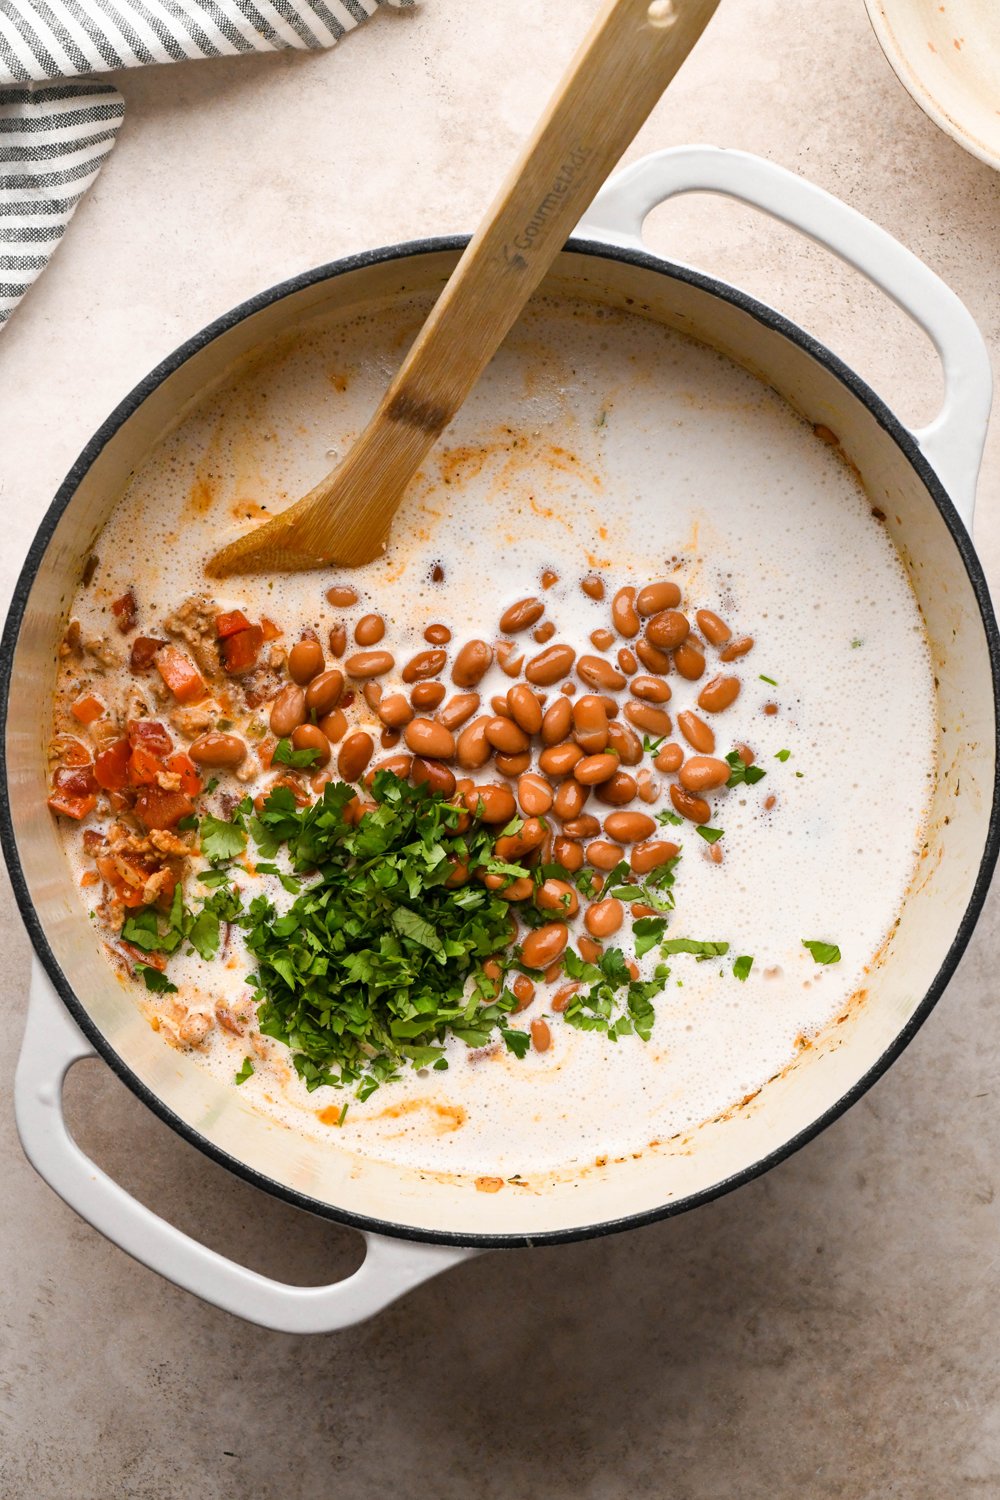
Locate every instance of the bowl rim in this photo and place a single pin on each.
(919, 91)
(133, 401)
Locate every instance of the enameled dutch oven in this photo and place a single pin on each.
(416, 1225)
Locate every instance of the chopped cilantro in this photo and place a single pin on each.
(647, 932)
(297, 759)
(823, 953)
(220, 840)
(739, 773)
(667, 815)
(702, 951)
(742, 966)
(212, 784)
(186, 824)
(246, 1070)
(782, 755)
(652, 746)
(710, 835)
(856, 642)
(155, 980)
(768, 679)
(517, 1042)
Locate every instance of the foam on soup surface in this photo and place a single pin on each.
(595, 442)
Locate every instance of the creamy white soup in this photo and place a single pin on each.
(600, 456)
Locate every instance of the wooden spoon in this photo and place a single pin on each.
(634, 49)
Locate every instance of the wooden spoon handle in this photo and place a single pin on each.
(633, 50)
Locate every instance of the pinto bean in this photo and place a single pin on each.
(342, 595)
(626, 661)
(569, 799)
(595, 768)
(629, 827)
(437, 635)
(369, 630)
(703, 773)
(534, 794)
(696, 809)
(558, 896)
(699, 735)
(491, 803)
(355, 753)
(523, 991)
(472, 663)
(603, 854)
(427, 738)
(504, 735)
(521, 616)
(426, 695)
(395, 711)
(604, 918)
(512, 764)
(600, 674)
(399, 765)
(560, 1000)
(338, 640)
(590, 723)
(650, 689)
(541, 1036)
(215, 749)
(525, 708)
(719, 694)
(583, 827)
(645, 716)
(602, 639)
(623, 613)
(424, 664)
(559, 760)
(458, 709)
(659, 596)
(543, 632)
(372, 695)
(389, 738)
(689, 661)
(669, 758)
(544, 945)
(507, 889)
(304, 661)
(549, 665)
(433, 773)
(650, 855)
(311, 737)
(324, 691)
(568, 853)
(618, 789)
(667, 630)
(288, 710)
(626, 742)
(474, 749)
(652, 658)
(736, 648)
(715, 631)
(556, 721)
(370, 663)
(500, 708)
(334, 725)
(593, 586)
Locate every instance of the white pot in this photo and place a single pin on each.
(417, 1225)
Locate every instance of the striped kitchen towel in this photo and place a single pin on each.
(55, 135)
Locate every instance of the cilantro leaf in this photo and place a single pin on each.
(740, 773)
(702, 950)
(823, 953)
(155, 980)
(742, 966)
(220, 840)
(667, 815)
(246, 1071)
(647, 932)
(782, 754)
(710, 835)
(297, 759)
(517, 1042)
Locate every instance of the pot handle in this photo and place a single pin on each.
(953, 442)
(52, 1044)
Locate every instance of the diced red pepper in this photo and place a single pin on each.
(180, 674)
(125, 612)
(144, 649)
(185, 767)
(230, 623)
(143, 767)
(151, 735)
(269, 630)
(74, 791)
(240, 651)
(87, 709)
(127, 893)
(111, 765)
(159, 809)
(70, 751)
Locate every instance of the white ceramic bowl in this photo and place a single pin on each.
(946, 53)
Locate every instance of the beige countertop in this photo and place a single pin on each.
(831, 1330)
